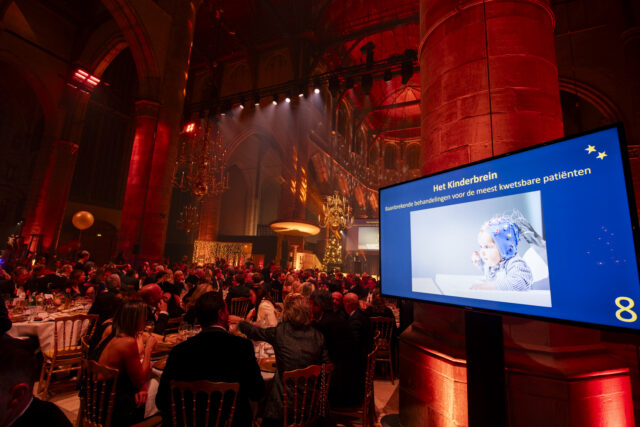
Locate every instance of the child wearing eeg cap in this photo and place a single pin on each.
(498, 257)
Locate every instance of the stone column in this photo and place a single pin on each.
(490, 86)
(165, 151)
(45, 220)
(473, 105)
(129, 236)
(49, 190)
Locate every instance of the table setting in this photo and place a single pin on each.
(38, 320)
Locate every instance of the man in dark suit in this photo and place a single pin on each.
(107, 302)
(359, 323)
(347, 384)
(152, 295)
(214, 355)
(18, 406)
(360, 326)
(238, 289)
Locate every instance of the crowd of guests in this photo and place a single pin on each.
(321, 320)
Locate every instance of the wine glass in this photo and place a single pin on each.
(148, 327)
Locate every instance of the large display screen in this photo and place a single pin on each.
(544, 232)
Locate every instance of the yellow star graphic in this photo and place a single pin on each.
(590, 149)
(602, 155)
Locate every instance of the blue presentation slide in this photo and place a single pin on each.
(544, 232)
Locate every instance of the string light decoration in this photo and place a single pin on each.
(201, 165)
(206, 252)
(333, 253)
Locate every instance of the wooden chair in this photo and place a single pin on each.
(310, 389)
(97, 394)
(66, 354)
(240, 306)
(385, 326)
(97, 397)
(276, 295)
(190, 390)
(173, 324)
(367, 412)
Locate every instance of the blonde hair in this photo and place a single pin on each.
(200, 290)
(296, 310)
(296, 287)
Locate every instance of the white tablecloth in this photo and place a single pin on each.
(44, 330)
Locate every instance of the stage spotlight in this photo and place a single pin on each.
(242, 101)
(275, 99)
(316, 85)
(367, 84)
(302, 90)
(287, 99)
(316, 91)
(406, 71)
(334, 85)
(387, 75)
(256, 99)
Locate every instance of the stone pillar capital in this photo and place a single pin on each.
(147, 107)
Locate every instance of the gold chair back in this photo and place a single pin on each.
(369, 406)
(383, 325)
(67, 352)
(240, 306)
(97, 394)
(68, 332)
(188, 392)
(305, 394)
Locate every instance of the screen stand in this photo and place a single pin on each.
(485, 370)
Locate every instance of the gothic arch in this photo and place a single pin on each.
(45, 97)
(140, 44)
(598, 99)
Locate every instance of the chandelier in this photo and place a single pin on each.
(201, 165)
(189, 218)
(336, 213)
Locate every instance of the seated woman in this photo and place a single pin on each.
(296, 344)
(263, 313)
(120, 350)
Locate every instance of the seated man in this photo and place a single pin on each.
(214, 355)
(106, 303)
(152, 295)
(238, 289)
(18, 406)
(347, 385)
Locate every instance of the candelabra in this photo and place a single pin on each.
(189, 218)
(201, 165)
(336, 213)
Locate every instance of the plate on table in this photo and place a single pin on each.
(268, 364)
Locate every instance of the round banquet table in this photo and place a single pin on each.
(260, 349)
(43, 329)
